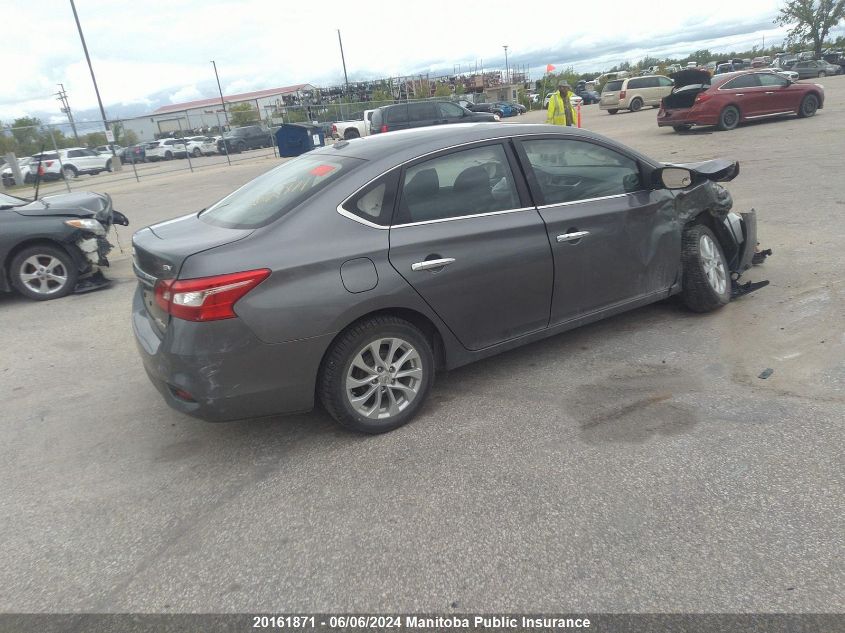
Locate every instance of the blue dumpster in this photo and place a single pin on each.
(294, 139)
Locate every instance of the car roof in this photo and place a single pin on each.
(404, 145)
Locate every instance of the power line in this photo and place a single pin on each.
(62, 97)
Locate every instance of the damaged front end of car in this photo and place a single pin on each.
(88, 218)
(700, 199)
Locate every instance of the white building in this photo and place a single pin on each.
(208, 113)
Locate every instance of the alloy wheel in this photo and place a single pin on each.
(384, 378)
(714, 267)
(43, 274)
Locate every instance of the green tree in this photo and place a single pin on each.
(811, 20)
(93, 139)
(243, 114)
(443, 90)
(27, 133)
(460, 89)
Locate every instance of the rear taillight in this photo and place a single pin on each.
(206, 298)
(334, 129)
(384, 128)
(702, 97)
(49, 163)
(622, 94)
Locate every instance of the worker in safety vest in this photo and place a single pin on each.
(561, 111)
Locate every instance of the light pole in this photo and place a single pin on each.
(345, 78)
(115, 162)
(507, 68)
(220, 90)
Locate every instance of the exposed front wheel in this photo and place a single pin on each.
(43, 272)
(809, 105)
(376, 375)
(729, 118)
(707, 284)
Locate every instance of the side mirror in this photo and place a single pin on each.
(674, 177)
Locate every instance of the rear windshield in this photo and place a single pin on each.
(272, 195)
(613, 85)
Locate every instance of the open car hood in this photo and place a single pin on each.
(690, 76)
(716, 170)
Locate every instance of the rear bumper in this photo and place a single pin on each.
(685, 116)
(229, 373)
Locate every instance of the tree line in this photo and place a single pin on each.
(26, 136)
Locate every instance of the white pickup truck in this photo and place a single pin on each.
(353, 129)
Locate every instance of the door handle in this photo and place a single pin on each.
(572, 237)
(740, 94)
(770, 93)
(432, 263)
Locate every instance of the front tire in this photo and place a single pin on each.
(168, 156)
(70, 173)
(808, 107)
(241, 148)
(43, 272)
(729, 118)
(108, 165)
(197, 152)
(822, 74)
(376, 375)
(636, 105)
(706, 278)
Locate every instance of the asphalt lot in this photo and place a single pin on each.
(635, 465)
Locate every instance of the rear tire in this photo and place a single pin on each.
(43, 272)
(706, 278)
(612, 111)
(197, 153)
(808, 107)
(386, 399)
(729, 118)
(168, 156)
(349, 134)
(108, 165)
(241, 147)
(822, 74)
(636, 105)
(682, 128)
(69, 172)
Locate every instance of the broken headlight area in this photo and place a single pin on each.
(95, 249)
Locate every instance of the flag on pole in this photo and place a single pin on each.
(549, 68)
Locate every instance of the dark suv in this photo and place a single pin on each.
(402, 116)
(244, 138)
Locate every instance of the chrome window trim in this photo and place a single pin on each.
(461, 217)
(351, 216)
(616, 195)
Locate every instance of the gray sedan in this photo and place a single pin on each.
(352, 273)
(818, 68)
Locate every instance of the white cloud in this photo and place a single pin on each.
(140, 49)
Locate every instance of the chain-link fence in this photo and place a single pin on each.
(58, 157)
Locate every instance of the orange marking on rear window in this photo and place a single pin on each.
(322, 170)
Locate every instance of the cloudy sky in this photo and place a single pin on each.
(147, 53)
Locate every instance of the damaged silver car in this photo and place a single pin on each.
(55, 245)
(355, 271)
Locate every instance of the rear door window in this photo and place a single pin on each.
(467, 182)
(770, 79)
(743, 81)
(419, 112)
(277, 192)
(634, 84)
(398, 114)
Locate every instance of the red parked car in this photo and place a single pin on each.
(733, 98)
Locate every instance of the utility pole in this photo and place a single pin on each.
(507, 69)
(343, 60)
(115, 159)
(62, 95)
(222, 102)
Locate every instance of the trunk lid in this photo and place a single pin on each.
(160, 250)
(688, 77)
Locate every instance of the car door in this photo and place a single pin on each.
(613, 238)
(780, 94)
(466, 237)
(423, 114)
(450, 112)
(747, 93)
